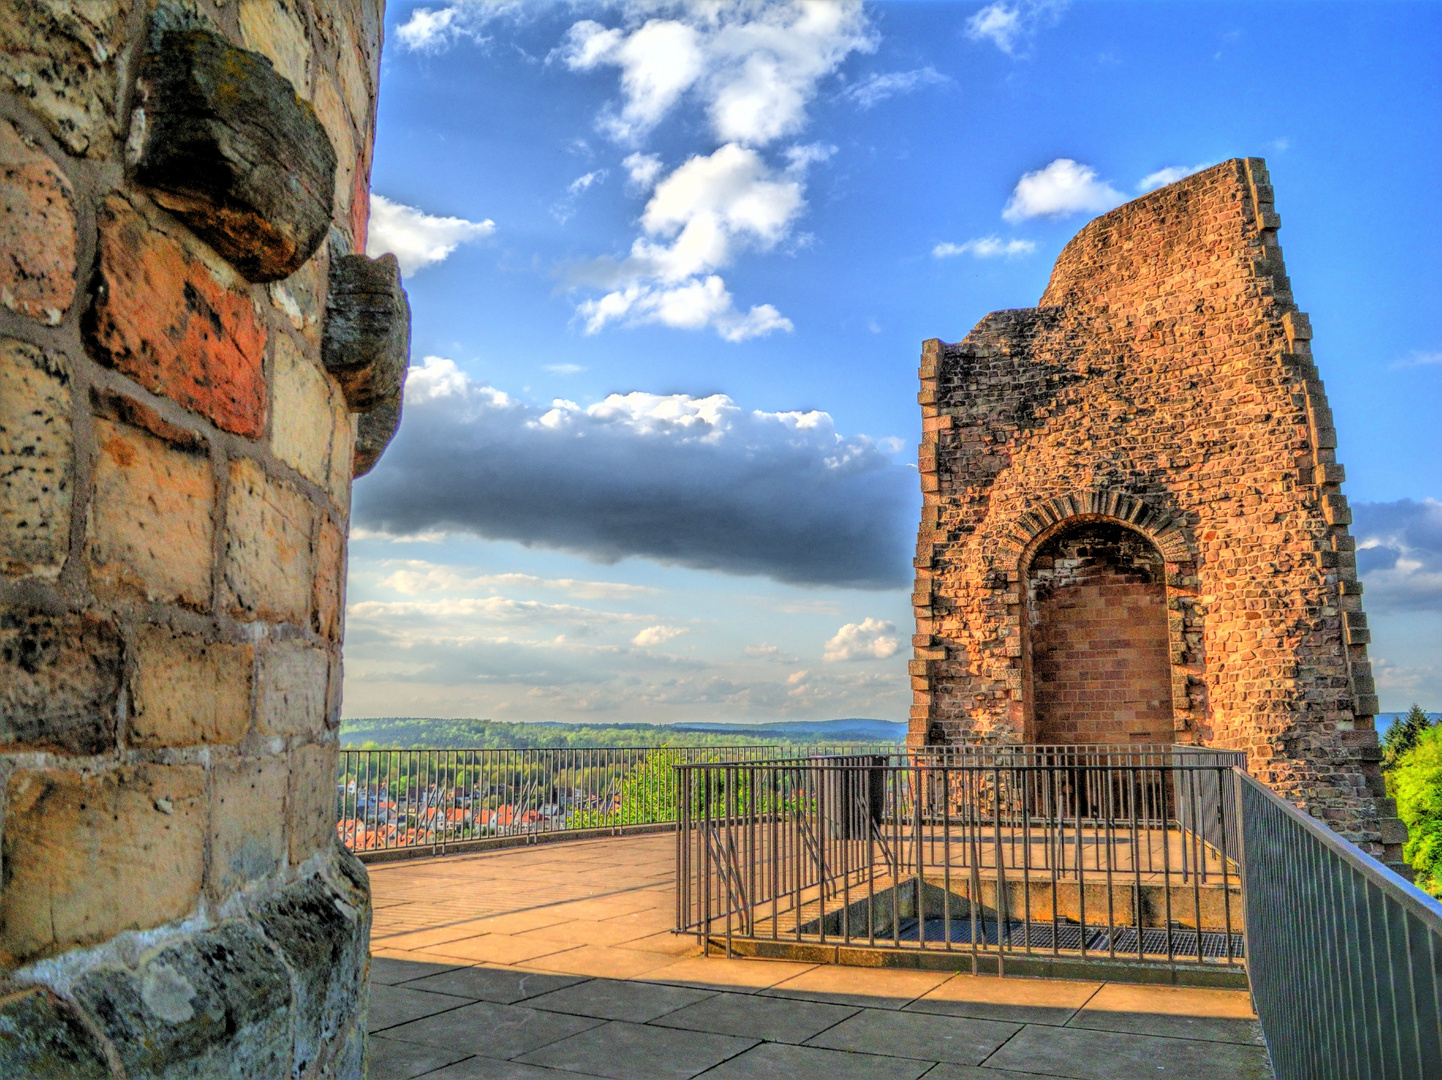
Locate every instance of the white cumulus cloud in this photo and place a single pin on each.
(657, 635)
(877, 88)
(1009, 25)
(1063, 187)
(753, 65)
(695, 222)
(1169, 175)
(428, 29)
(985, 247)
(642, 170)
(433, 29)
(870, 639)
(581, 183)
(418, 239)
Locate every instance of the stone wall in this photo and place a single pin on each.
(184, 366)
(1165, 386)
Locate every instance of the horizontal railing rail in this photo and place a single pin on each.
(1004, 853)
(430, 800)
(1345, 957)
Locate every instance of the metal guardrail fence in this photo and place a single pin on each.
(1062, 852)
(1345, 956)
(429, 800)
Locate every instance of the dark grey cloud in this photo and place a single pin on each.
(1399, 554)
(695, 482)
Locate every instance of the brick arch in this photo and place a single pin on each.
(1164, 529)
(1170, 534)
(1096, 634)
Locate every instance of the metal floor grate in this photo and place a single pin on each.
(1069, 936)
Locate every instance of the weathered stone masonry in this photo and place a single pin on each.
(189, 343)
(1132, 525)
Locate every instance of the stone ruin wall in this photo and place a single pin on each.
(194, 360)
(1163, 389)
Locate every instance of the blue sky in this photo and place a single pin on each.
(671, 265)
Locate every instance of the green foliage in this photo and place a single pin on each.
(1416, 783)
(1402, 736)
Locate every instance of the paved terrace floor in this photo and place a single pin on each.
(556, 961)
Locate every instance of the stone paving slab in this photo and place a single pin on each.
(396, 1060)
(388, 972)
(601, 961)
(499, 948)
(747, 1015)
(917, 1035)
(948, 1071)
(392, 1005)
(716, 973)
(509, 1002)
(875, 988)
(632, 1051)
(485, 1028)
(478, 1068)
(1111, 1055)
(615, 999)
(775, 1061)
(1178, 1012)
(505, 986)
(1020, 1001)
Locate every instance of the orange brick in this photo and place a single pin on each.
(174, 317)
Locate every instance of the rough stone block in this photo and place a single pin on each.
(37, 231)
(329, 590)
(247, 823)
(333, 117)
(151, 532)
(367, 338)
(217, 1004)
(311, 808)
(352, 1060)
(229, 148)
(276, 30)
(269, 530)
(70, 838)
(1393, 830)
(301, 429)
(36, 455)
(187, 691)
(301, 299)
(374, 432)
(60, 57)
(176, 319)
(40, 1036)
(292, 682)
(60, 679)
(342, 448)
(323, 928)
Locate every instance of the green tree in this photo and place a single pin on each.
(1416, 782)
(1402, 736)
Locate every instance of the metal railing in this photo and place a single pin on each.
(1345, 956)
(1075, 853)
(430, 800)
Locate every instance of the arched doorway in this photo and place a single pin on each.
(1097, 639)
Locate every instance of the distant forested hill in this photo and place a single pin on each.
(413, 731)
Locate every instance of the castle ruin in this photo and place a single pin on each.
(195, 359)
(1132, 527)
